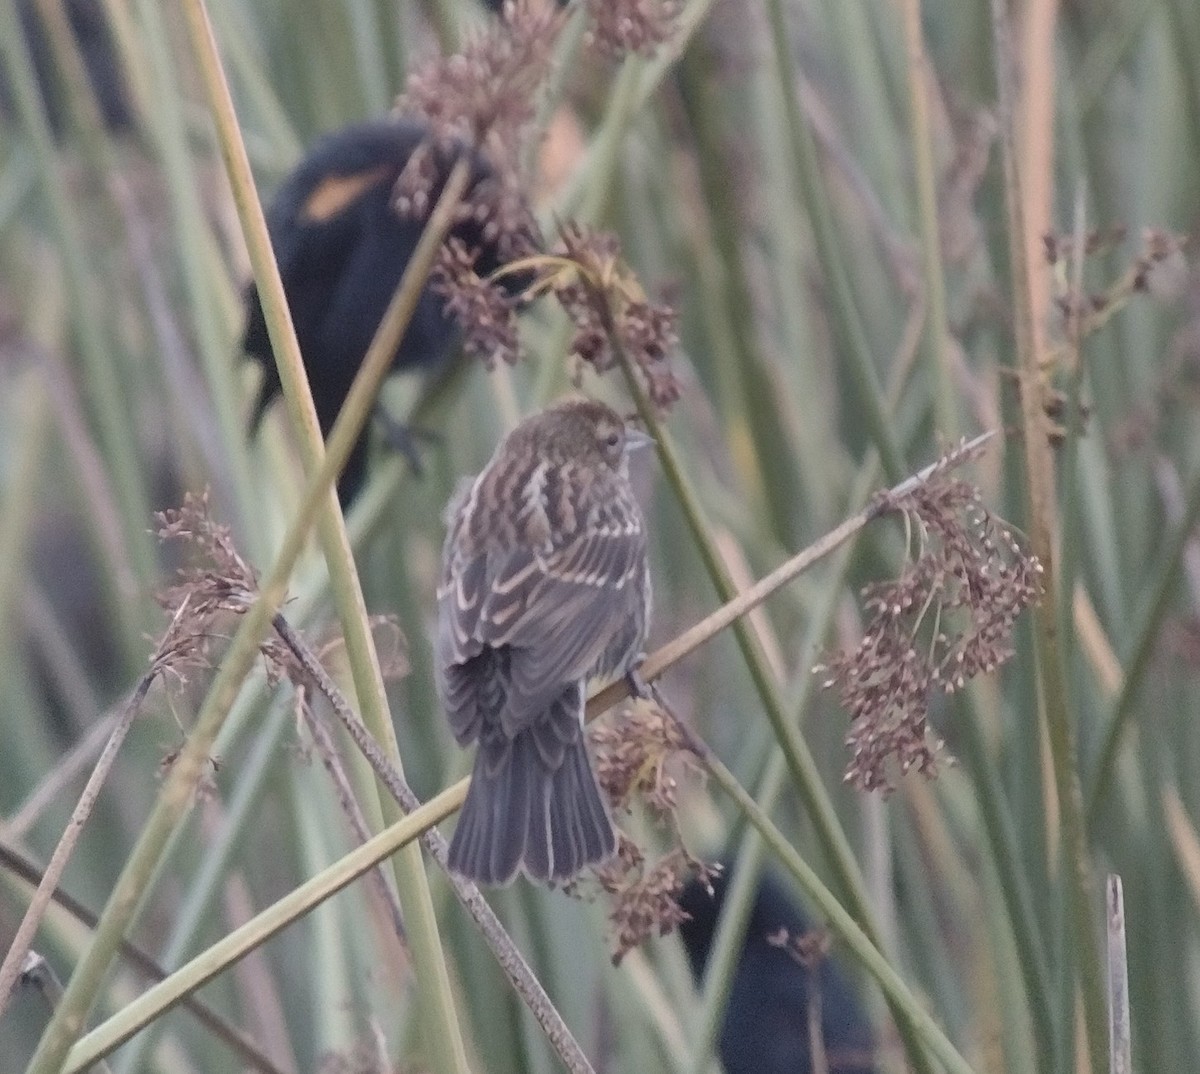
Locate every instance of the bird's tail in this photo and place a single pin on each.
(523, 813)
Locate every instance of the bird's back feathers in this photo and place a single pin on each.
(560, 594)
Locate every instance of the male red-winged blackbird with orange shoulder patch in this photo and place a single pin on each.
(544, 586)
(342, 248)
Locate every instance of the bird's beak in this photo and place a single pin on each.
(635, 438)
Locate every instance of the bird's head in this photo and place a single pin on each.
(582, 431)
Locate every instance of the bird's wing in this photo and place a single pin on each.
(557, 610)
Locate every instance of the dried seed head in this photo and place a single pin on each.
(216, 585)
(212, 588)
(485, 94)
(482, 99)
(485, 309)
(947, 618)
(645, 900)
(601, 293)
(631, 756)
(641, 26)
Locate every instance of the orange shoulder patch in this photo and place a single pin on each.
(333, 194)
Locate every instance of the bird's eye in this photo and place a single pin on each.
(613, 440)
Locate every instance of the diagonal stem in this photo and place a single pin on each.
(10, 969)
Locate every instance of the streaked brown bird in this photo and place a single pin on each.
(544, 586)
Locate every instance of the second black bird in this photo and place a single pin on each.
(765, 1027)
(342, 248)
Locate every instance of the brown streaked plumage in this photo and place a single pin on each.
(544, 586)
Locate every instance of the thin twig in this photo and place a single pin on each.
(58, 779)
(354, 814)
(11, 967)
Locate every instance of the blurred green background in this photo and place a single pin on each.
(839, 253)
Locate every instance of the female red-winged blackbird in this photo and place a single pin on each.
(765, 1029)
(544, 585)
(342, 248)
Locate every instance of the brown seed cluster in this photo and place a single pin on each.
(1156, 267)
(641, 26)
(631, 755)
(486, 309)
(225, 583)
(482, 97)
(485, 94)
(216, 585)
(631, 758)
(493, 208)
(645, 898)
(601, 294)
(1057, 247)
(947, 618)
(598, 291)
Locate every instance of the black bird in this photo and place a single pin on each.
(342, 248)
(765, 1029)
(544, 585)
